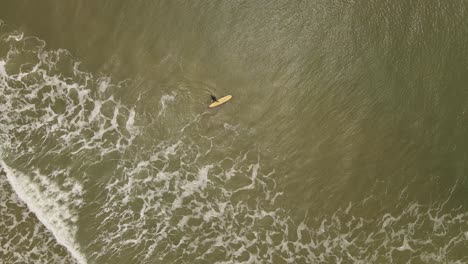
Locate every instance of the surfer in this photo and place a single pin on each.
(215, 102)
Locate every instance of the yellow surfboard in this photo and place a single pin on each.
(220, 101)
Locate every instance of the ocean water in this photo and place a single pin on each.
(345, 141)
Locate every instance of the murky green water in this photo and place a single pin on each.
(345, 140)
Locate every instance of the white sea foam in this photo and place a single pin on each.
(103, 84)
(203, 211)
(51, 205)
(45, 116)
(34, 243)
(131, 121)
(36, 108)
(190, 187)
(165, 99)
(3, 73)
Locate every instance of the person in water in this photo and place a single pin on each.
(213, 98)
